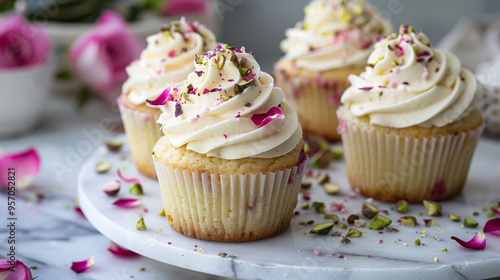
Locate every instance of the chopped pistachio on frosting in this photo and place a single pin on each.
(407, 82)
(167, 59)
(334, 33)
(229, 109)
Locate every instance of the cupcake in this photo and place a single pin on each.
(333, 41)
(409, 123)
(167, 59)
(230, 165)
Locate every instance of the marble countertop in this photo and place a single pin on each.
(50, 235)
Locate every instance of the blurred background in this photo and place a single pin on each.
(261, 24)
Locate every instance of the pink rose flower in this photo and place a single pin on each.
(21, 271)
(22, 44)
(100, 56)
(179, 7)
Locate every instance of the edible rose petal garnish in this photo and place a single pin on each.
(79, 267)
(127, 180)
(162, 98)
(496, 209)
(25, 164)
(478, 242)
(127, 202)
(492, 226)
(274, 113)
(119, 251)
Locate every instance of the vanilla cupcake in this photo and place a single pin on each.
(231, 162)
(410, 123)
(167, 59)
(333, 41)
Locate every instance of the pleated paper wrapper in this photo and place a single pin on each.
(391, 167)
(142, 132)
(229, 207)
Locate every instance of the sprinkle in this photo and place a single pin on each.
(199, 73)
(425, 74)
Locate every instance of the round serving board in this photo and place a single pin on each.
(296, 254)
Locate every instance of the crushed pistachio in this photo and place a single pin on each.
(323, 228)
(114, 145)
(103, 167)
(342, 226)
(468, 222)
(136, 189)
(379, 222)
(331, 188)
(444, 250)
(359, 223)
(112, 187)
(337, 153)
(345, 240)
(455, 218)
(304, 205)
(142, 269)
(490, 214)
(333, 217)
(323, 178)
(433, 208)
(354, 233)
(305, 185)
(318, 206)
(369, 210)
(322, 159)
(484, 208)
(417, 242)
(162, 212)
(140, 224)
(402, 206)
(409, 221)
(352, 218)
(222, 255)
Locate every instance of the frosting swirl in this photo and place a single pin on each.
(167, 59)
(407, 82)
(230, 109)
(334, 33)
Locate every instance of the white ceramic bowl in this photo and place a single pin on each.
(23, 93)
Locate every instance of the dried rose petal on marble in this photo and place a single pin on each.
(24, 166)
(127, 202)
(492, 226)
(79, 267)
(119, 251)
(127, 180)
(478, 242)
(21, 271)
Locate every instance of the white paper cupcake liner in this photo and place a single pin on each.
(225, 207)
(390, 167)
(142, 132)
(316, 105)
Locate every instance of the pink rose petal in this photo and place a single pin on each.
(495, 209)
(26, 165)
(478, 242)
(79, 211)
(127, 180)
(79, 267)
(180, 7)
(21, 271)
(317, 253)
(127, 202)
(274, 113)
(100, 56)
(119, 251)
(162, 98)
(21, 43)
(492, 226)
